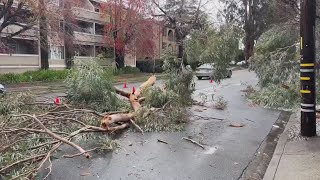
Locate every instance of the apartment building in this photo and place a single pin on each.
(164, 40)
(23, 52)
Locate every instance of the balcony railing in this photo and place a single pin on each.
(86, 37)
(90, 15)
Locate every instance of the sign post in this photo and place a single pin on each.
(307, 68)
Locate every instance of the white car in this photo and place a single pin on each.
(241, 63)
(2, 89)
(207, 70)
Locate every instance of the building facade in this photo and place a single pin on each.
(23, 52)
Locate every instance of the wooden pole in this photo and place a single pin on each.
(307, 68)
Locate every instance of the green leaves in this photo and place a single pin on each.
(90, 86)
(276, 59)
(214, 46)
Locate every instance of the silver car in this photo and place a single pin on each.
(206, 71)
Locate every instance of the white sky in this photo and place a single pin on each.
(212, 8)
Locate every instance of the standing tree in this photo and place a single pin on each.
(183, 16)
(129, 29)
(16, 14)
(218, 46)
(44, 46)
(254, 16)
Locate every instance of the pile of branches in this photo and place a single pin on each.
(28, 140)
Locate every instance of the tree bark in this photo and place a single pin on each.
(249, 28)
(68, 35)
(44, 47)
(119, 58)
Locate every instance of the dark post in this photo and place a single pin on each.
(307, 68)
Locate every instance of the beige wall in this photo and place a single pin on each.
(18, 63)
(130, 60)
(19, 60)
(22, 63)
(57, 64)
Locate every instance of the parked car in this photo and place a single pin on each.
(241, 63)
(207, 70)
(2, 89)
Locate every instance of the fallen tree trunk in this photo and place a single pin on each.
(134, 99)
(115, 118)
(144, 86)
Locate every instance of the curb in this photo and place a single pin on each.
(276, 157)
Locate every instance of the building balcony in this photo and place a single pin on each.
(31, 34)
(86, 38)
(90, 15)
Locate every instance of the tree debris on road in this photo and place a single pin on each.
(194, 142)
(236, 125)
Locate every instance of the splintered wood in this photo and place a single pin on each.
(135, 99)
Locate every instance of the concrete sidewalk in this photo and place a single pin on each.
(295, 157)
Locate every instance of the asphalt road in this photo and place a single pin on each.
(228, 150)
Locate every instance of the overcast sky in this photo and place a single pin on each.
(212, 8)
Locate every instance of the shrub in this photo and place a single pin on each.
(32, 76)
(146, 66)
(155, 97)
(179, 83)
(275, 96)
(127, 70)
(88, 85)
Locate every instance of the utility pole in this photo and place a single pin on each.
(307, 68)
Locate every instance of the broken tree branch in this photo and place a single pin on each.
(136, 126)
(194, 142)
(79, 154)
(87, 155)
(34, 158)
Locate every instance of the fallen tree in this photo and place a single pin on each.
(31, 131)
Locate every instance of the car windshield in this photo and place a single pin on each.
(206, 66)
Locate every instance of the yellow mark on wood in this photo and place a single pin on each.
(307, 65)
(305, 91)
(304, 78)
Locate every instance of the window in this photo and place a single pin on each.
(56, 52)
(84, 50)
(170, 35)
(99, 28)
(164, 46)
(83, 26)
(61, 25)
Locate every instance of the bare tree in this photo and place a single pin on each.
(183, 16)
